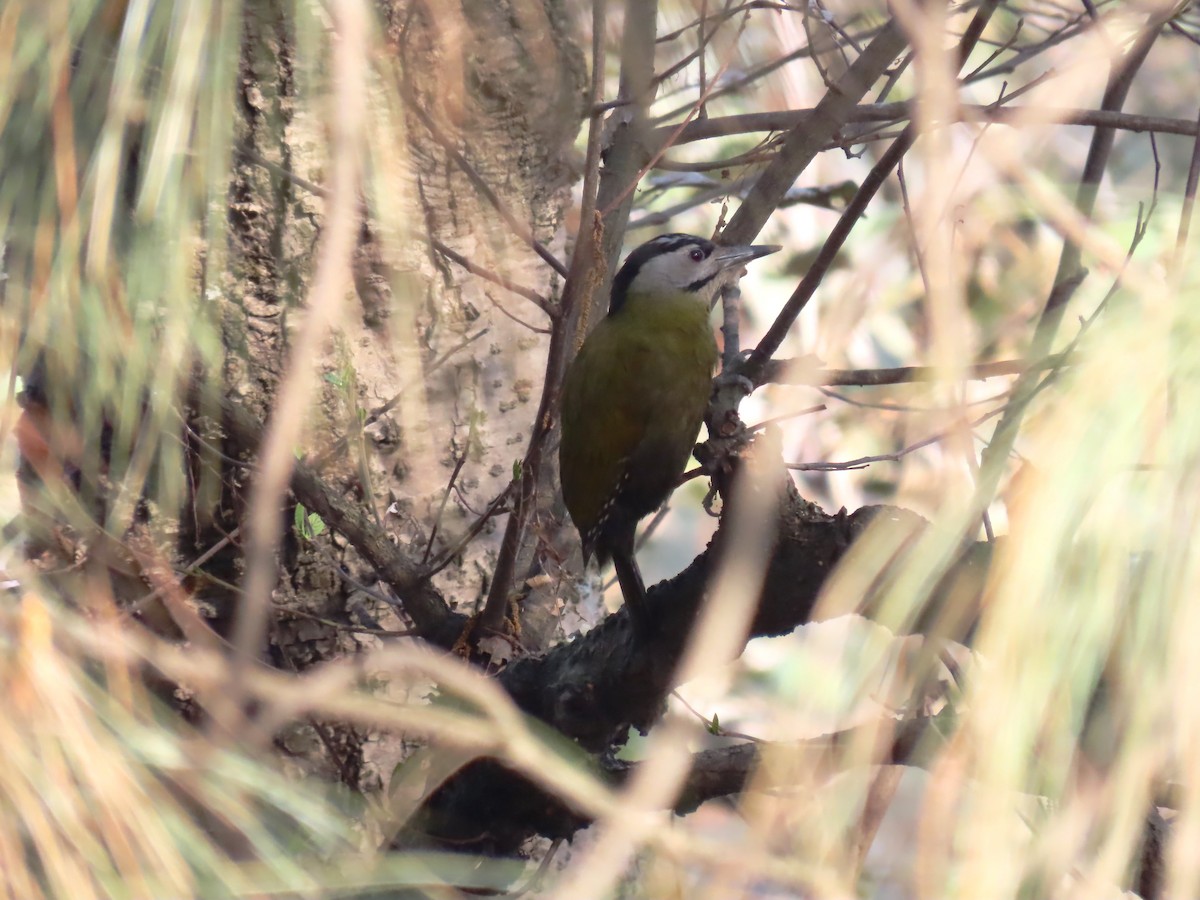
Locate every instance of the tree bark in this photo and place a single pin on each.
(502, 84)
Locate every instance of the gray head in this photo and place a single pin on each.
(679, 264)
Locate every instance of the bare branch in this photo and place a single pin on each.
(787, 371)
(773, 339)
(803, 143)
(723, 126)
(542, 303)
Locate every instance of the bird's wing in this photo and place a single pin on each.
(604, 419)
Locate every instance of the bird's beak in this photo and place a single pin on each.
(728, 257)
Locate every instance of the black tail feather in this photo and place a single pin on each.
(632, 587)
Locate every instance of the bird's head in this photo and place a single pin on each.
(679, 264)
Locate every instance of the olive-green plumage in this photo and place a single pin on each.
(635, 395)
(633, 403)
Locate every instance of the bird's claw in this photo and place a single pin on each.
(735, 380)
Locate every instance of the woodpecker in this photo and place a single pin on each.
(634, 396)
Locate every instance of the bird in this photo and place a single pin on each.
(635, 394)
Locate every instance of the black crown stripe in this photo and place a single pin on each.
(664, 243)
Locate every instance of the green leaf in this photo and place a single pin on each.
(308, 525)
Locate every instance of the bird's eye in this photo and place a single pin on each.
(697, 254)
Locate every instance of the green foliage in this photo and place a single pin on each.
(309, 526)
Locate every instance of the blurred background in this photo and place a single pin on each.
(245, 240)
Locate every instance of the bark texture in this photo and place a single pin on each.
(499, 85)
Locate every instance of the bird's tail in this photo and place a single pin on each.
(632, 587)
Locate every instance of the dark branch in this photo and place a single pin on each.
(788, 371)
(598, 686)
(724, 126)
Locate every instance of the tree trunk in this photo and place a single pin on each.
(496, 88)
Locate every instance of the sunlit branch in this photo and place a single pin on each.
(724, 126)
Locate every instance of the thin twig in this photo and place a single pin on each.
(773, 339)
(494, 508)
(380, 411)
(724, 126)
(742, 82)
(775, 335)
(1070, 271)
(458, 464)
(352, 629)
(617, 201)
(512, 316)
(711, 725)
(1189, 202)
(519, 229)
(542, 303)
(863, 461)
(911, 407)
(783, 417)
(801, 144)
(726, 14)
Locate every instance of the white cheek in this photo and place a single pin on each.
(652, 281)
(666, 275)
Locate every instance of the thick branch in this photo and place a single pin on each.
(594, 688)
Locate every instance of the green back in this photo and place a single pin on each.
(633, 402)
